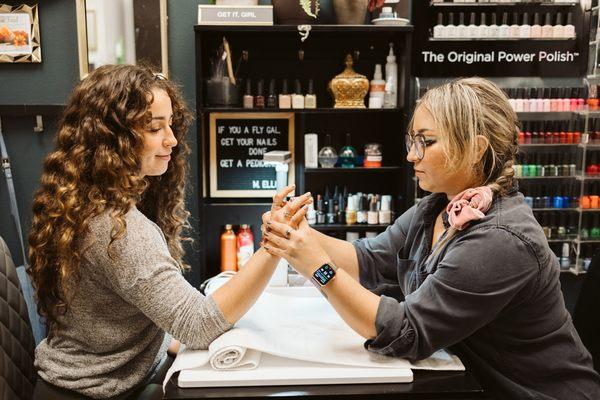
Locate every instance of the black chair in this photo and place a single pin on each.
(18, 378)
(17, 375)
(586, 317)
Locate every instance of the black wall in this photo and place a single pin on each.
(51, 82)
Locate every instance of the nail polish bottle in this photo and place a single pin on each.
(580, 98)
(566, 99)
(544, 223)
(584, 233)
(554, 100)
(310, 100)
(331, 214)
(297, 97)
(536, 28)
(341, 212)
(570, 132)
(572, 228)
(519, 100)
(558, 31)
(548, 135)
(351, 211)
(514, 28)
(320, 210)
(248, 98)
(511, 94)
(385, 214)
(493, 28)
(521, 137)
(526, 99)
(546, 100)
(532, 102)
(562, 229)
(592, 166)
(525, 29)
(557, 201)
(545, 198)
(504, 29)
(259, 99)
(482, 28)
(529, 201)
(577, 132)
(595, 231)
(547, 30)
(565, 261)
(311, 214)
(563, 132)
(285, 100)
(272, 97)
(472, 28)
(362, 209)
(461, 29)
(439, 29)
(569, 30)
(373, 214)
(450, 29)
(556, 132)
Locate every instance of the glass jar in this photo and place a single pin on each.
(373, 155)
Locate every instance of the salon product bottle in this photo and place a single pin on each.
(361, 209)
(547, 30)
(482, 28)
(558, 30)
(351, 211)
(450, 29)
(514, 28)
(259, 99)
(391, 80)
(285, 99)
(569, 30)
(331, 214)
(310, 100)
(373, 213)
(377, 86)
(228, 250)
(341, 211)
(472, 28)
(439, 29)
(245, 246)
(320, 210)
(311, 214)
(272, 97)
(493, 28)
(536, 28)
(385, 214)
(525, 28)
(565, 261)
(327, 155)
(461, 28)
(297, 97)
(504, 29)
(248, 98)
(347, 155)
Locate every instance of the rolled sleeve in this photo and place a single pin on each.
(477, 279)
(377, 256)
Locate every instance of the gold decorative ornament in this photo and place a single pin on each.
(349, 88)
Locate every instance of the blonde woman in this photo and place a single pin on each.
(105, 242)
(467, 268)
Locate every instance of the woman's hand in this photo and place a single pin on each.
(298, 246)
(290, 212)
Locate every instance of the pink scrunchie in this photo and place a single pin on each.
(469, 205)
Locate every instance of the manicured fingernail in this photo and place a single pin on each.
(266, 248)
(307, 194)
(268, 222)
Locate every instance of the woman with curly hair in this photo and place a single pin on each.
(105, 244)
(467, 268)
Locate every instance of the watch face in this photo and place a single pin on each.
(324, 274)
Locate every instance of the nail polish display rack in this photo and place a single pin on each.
(277, 53)
(517, 38)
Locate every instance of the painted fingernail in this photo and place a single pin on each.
(268, 222)
(266, 248)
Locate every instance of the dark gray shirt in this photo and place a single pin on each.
(492, 295)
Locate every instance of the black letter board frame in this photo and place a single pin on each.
(216, 151)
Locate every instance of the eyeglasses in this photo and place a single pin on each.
(159, 76)
(420, 143)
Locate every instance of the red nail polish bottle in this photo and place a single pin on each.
(593, 168)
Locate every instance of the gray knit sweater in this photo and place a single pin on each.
(113, 334)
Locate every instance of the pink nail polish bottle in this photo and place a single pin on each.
(533, 93)
(546, 100)
(526, 100)
(519, 100)
(573, 104)
(566, 99)
(554, 100)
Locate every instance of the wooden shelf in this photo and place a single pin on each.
(18, 110)
(314, 28)
(351, 228)
(323, 110)
(345, 170)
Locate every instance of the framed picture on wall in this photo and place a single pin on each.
(19, 34)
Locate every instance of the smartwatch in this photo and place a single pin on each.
(324, 274)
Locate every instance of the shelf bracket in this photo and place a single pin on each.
(39, 124)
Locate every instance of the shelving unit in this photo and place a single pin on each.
(274, 52)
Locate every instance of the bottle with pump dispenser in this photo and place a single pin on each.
(377, 91)
(391, 80)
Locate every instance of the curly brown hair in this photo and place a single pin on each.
(94, 168)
